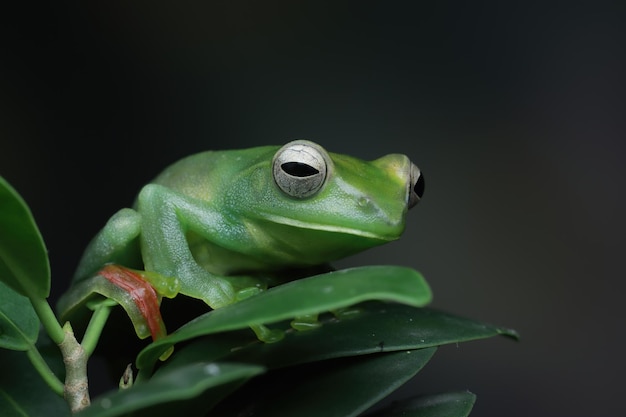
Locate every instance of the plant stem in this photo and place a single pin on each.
(44, 370)
(76, 388)
(48, 319)
(56, 333)
(94, 329)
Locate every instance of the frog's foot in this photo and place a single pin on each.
(305, 322)
(137, 296)
(215, 291)
(267, 335)
(346, 312)
(247, 293)
(220, 291)
(310, 321)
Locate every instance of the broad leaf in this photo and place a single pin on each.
(22, 391)
(19, 324)
(376, 327)
(160, 392)
(453, 404)
(24, 262)
(335, 388)
(320, 293)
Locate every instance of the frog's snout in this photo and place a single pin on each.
(401, 169)
(416, 186)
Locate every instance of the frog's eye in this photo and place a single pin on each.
(300, 168)
(416, 186)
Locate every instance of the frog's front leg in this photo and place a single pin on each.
(117, 242)
(167, 220)
(167, 217)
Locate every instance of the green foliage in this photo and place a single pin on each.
(23, 393)
(24, 262)
(326, 292)
(174, 385)
(375, 334)
(19, 325)
(368, 353)
(450, 404)
(345, 387)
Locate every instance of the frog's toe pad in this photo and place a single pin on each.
(247, 293)
(307, 322)
(267, 335)
(302, 325)
(347, 312)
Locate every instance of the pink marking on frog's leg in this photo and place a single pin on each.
(141, 292)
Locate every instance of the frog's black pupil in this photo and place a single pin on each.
(418, 188)
(298, 169)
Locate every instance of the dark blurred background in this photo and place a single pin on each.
(513, 111)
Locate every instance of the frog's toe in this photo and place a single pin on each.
(247, 293)
(306, 322)
(346, 312)
(216, 293)
(267, 335)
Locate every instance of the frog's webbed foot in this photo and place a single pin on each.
(219, 291)
(238, 288)
(263, 333)
(138, 292)
(246, 287)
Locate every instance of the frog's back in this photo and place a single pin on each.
(200, 175)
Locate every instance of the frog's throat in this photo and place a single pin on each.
(328, 228)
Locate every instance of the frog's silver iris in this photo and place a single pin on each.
(300, 168)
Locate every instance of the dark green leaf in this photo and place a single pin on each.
(24, 262)
(453, 404)
(378, 326)
(19, 324)
(183, 383)
(316, 294)
(22, 391)
(334, 388)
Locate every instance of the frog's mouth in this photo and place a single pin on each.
(332, 228)
(296, 242)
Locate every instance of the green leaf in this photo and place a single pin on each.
(24, 262)
(19, 324)
(376, 327)
(334, 388)
(453, 404)
(320, 293)
(22, 391)
(160, 392)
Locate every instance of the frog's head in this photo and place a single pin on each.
(321, 206)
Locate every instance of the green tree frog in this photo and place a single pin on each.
(221, 225)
